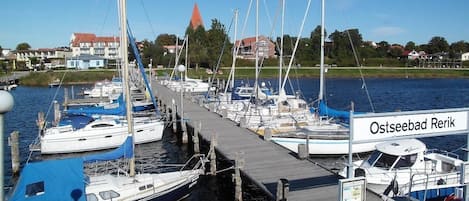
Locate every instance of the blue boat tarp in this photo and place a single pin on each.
(124, 151)
(51, 180)
(324, 110)
(90, 111)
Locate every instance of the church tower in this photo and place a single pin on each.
(196, 19)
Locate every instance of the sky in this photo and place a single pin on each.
(50, 23)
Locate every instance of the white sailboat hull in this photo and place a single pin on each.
(162, 186)
(323, 147)
(64, 139)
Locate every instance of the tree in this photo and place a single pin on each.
(23, 46)
(315, 39)
(383, 48)
(197, 46)
(166, 39)
(1, 51)
(410, 46)
(438, 44)
(396, 51)
(217, 35)
(457, 48)
(342, 48)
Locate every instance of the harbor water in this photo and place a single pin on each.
(378, 95)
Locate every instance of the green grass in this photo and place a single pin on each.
(87, 77)
(69, 77)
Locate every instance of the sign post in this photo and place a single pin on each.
(379, 127)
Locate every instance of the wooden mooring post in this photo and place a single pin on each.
(195, 138)
(65, 103)
(185, 137)
(282, 189)
(212, 155)
(239, 165)
(173, 115)
(13, 142)
(267, 134)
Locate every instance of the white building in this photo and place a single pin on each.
(50, 57)
(465, 56)
(89, 44)
(84, 62)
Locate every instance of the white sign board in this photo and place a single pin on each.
(352, 189)
(395, 124)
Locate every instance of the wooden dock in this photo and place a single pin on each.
(265, 163)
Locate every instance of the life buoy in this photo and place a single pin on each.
(452, 197)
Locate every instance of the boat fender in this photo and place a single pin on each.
(452, 197)
(441, 181)
(393, 186)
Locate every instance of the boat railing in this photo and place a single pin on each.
(118, 166)
(443, 152)
(425, 181)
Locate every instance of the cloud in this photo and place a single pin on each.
(388, 31)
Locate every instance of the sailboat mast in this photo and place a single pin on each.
(256, 89)
(187, 54)
(281, 49)
(321, 78)
(125, 67)
(235, 50)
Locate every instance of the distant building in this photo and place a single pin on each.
(84, 62)
(465, 56)
(48, 57)
(248, 46)
(171, 49)
(5, 52)
(90, 44)
(411, 54)
(423, 55)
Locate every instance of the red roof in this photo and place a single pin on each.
(250, 40)
(196, 19)
(91, 38)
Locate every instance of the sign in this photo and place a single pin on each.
(352, 189)
(398, 124)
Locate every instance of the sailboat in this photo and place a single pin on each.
(63, 179)
(322, 134)
(103, 132)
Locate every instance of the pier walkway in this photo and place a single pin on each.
(265, 163)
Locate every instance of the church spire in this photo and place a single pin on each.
(196, 19)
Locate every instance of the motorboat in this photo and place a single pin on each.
(408, 168)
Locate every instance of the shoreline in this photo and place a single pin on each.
(72, 77)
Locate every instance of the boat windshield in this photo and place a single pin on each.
(382, 160)
(406, 161)
(386, 161)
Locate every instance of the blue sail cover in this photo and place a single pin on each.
(124, 151)
(324, 110)
(51, 180)
(90, 111)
